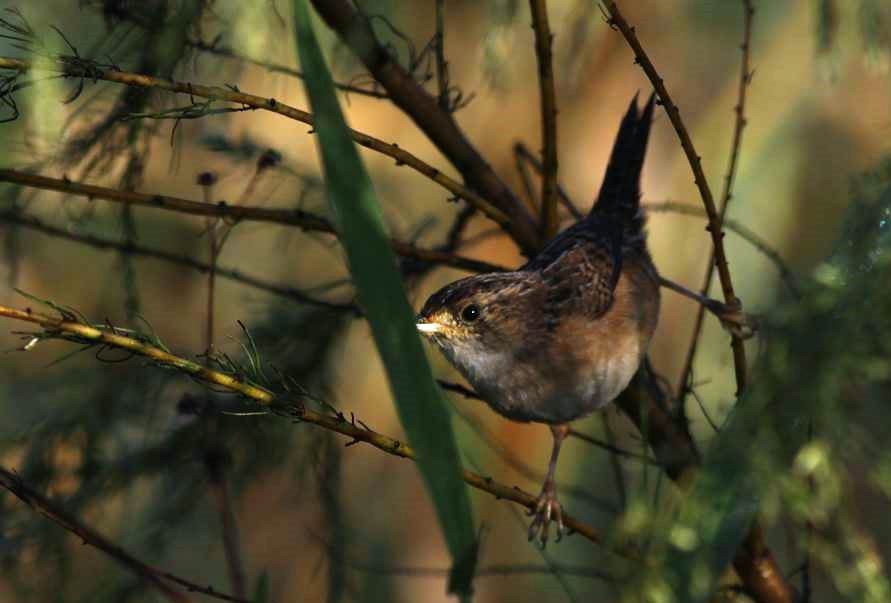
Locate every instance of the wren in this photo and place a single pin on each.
(562, 336)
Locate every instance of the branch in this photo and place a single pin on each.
(68, 328)
(617, 21)
(290, 293)
(228, 53)
(286, 217)
(440, 127)
(743, 232)
(745, 76)
(402, 157)
(543, 42)
(754, 562)
(154, 576)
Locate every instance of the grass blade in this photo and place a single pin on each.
(380, 292)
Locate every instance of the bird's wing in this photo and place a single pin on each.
(580, 268)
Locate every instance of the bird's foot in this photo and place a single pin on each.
(547, 509)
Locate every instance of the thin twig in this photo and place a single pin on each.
(745, 76)
(543, 43)
(753, 562)
(524, 155)
(154, 576)
(234, 213)
(215, 462)
(616, 20)
(226, 52)
(618, 470)
(745, 233)
(78, 332)
(290, 293)
(138, 80)
(442, 74)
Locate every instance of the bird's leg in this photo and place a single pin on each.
(547, 507)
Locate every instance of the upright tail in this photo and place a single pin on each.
(619, 196)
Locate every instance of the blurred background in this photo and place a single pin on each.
(137, 451)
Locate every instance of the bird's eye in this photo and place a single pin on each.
(470, 313)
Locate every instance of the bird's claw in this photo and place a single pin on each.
(547, 509)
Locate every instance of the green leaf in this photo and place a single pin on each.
(381, 294)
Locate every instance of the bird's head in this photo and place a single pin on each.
(480, 319)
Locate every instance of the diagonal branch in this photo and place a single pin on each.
(154, 576)
(754, 562)
(543, 43)
(289, 293)
(67, 328)
(286, 217)
(402, 157)
(440, 127)
(745, 76)
(617, 21)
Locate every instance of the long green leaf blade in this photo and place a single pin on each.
(380, 290)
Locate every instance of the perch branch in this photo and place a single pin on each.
(402, 157)
(69, 329)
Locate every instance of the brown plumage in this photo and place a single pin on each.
(563, 335)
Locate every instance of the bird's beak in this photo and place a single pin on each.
(429, 327)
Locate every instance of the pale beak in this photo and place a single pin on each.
(429, 327)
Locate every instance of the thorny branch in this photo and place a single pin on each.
(83, 70)
(617, 21)
(233, 213)
(745, 76)
(754, 562)
(155, 577)
(69, 328)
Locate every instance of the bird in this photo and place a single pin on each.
(561, 336)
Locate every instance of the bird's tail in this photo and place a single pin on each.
(619, 197)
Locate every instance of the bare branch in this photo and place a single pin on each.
(616, 20)
(543, 42)
(228, 53)
(740, 123)
(154, 576)
(290, 293)
(440, 127)
(287, 217)
(745, 233)
(402, 157)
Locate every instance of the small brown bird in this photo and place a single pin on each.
(563, 335)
